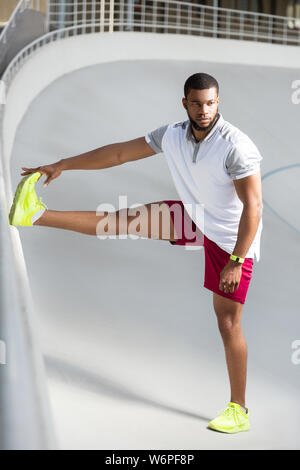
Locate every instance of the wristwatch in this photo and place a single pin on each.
(236, 258)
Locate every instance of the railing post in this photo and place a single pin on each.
(122, 15)
(202, 19)
(227, 28)
(189, 18)
(111, 15)
(255, 27)
(47, 21)
(241, 25)
(215, 20)
(75, 14)
(93, 15)
(143, 16)
(129, 15)
(178, 13)
(154, 16)
(61, 14)
(270, 32)
(83, 15)
(166, 19)
(102, 18)
(284, 32)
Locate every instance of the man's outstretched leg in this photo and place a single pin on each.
(151, 220)
(78, 221)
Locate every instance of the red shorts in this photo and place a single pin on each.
(215, 258)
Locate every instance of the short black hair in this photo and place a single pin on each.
(200, 81)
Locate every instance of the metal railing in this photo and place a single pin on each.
(171, 16)
(68, 18)
(167, 16)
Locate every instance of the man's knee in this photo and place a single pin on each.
(151, 220)
(227, 326)
(229, 313)
(125, 221)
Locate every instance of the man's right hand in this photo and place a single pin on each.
(51, 171)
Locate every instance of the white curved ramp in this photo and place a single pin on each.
(133, 355)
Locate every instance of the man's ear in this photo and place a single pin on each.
(184, 103)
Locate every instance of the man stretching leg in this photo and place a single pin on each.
(213, 164)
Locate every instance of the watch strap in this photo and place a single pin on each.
(237, 258)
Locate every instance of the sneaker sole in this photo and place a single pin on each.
(19, 197)
(230, 431)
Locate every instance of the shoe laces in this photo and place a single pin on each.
(43, 204)
(231, 411)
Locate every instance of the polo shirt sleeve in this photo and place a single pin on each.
(243, 160)
(154, 138)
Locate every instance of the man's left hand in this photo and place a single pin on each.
(230, 277)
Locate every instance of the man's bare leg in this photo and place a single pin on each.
(151, 224)
(78, 221)
(229, 313)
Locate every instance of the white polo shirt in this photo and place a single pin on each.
(203, 173)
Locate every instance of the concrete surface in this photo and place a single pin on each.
(130, 340)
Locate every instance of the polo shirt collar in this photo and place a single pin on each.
(190, 135)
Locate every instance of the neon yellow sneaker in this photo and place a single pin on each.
(232, 420)
(26, 203)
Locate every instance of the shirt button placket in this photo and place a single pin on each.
(196, 152)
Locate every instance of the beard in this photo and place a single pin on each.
(207, 128)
